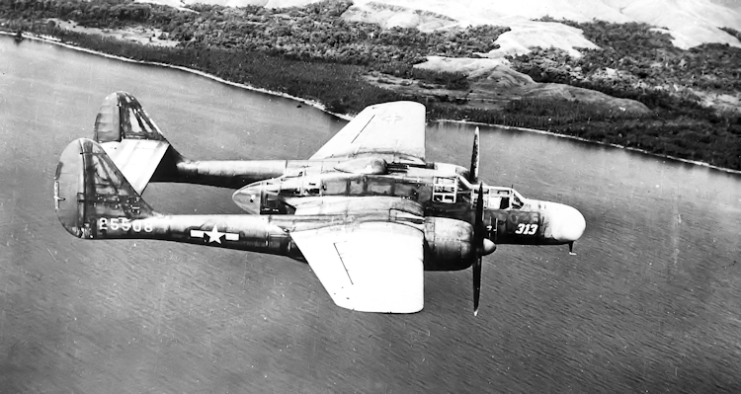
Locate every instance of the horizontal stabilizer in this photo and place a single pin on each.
(137, 159)
(131, 138)
(88, 186)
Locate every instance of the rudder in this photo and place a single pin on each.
(88, 186)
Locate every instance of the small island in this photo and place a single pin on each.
(636, 90)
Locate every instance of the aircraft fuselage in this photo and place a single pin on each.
(510, 218)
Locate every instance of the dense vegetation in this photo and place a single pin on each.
(312, 53)
(713, 139)
(339, 86)
(649, 69)
(644, 57)
(312, 32)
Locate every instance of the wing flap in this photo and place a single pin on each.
(368, 267)
(397, 127)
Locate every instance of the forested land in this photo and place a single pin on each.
(650, 69)
(312, 32)
(644, 57)
(311, 52)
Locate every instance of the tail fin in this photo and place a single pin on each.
(134, 142)
(88, 187)
(122, 117)
(95, 201)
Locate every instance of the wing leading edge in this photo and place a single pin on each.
(397, 128)
(369, 266)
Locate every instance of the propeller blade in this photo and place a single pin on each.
(473, 175)
(478, 225)
(478, 239)
(476, 284)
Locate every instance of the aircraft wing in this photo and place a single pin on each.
(369, 266)
(397, 128)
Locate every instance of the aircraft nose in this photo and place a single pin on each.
(248, 198)
(567, 223)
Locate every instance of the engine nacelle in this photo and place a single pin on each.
(448, 244)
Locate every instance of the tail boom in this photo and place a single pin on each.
(240, 232)
(226, 173)
(142, 153)
(93, 200)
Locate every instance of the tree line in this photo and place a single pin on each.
(312, 53)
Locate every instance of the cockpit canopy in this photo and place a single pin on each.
(500, 198)
(454, 189)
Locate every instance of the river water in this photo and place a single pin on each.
(651, 303)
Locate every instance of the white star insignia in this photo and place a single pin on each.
(391, 118)
(214, 235)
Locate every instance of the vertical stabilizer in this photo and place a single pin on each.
(88, 186)
(134, 142)
(122, 117)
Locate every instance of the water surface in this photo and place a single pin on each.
(650, 303)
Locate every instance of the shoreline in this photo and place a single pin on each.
(607, 144)
(55, 41)
(321, 107)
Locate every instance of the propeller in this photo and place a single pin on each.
(473, 175)
(482, 246)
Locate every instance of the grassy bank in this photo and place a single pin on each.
(277, 51)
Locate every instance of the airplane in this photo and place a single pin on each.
(366, 212)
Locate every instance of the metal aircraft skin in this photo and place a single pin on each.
(366, 212)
